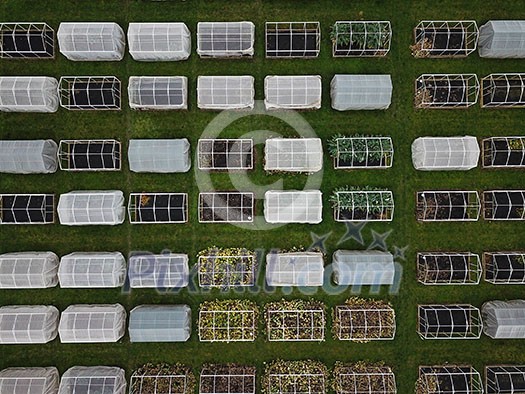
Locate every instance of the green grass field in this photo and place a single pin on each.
(400, 121)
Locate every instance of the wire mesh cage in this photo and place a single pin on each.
(503, 91)
(438, 206)
(448, 268)
(28, 270)
(361, 38)
(89, 155)
(294, 269)
(454, 321)
(364, 378)
(27, 208)
(228, 321)
(225, 39)
(362, 152)
(446, 91)
(89, 93)
(150, 208)
(504, 379)
(226, 268)
(227, 379)
(363, 205)
(445, 39)
(504, 267)
(449, 379)
(162, 379)
(31, 40)
(295, 377)
(225, 154)
(226, 207)
(504, 152)
(445, 153)
(504, 205)
(292, 39)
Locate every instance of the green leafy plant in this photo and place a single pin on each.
(361, 198)
(359, 149)
(340, 34)
(515, 144)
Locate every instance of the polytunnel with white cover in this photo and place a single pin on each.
(152, 42)
(367, 267)
(502, 39)
(360, 92)
(80, 208)
(293, 154)
(33, 380)
(445, 153)
(28, 270)
(446, 91)
(158, 93)
(295, 269)
(292, 92)
(504, 319)
(225, 39)
(28, 156)
(89, 155)
(449, 379)
(91, 41)
(29, 40)
(92, 270)
(293, 206)
(504, 379)
(27, 208)
(449, 321)
(91, 380)
(92, 323)
(504, 267)
(159, 155)
(503, 90)
(158, 271)
(220, 92)
(160, 323)
(28, 94)
(25, 324)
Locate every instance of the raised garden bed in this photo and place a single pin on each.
(363, 377)
(360, 151)
(504, 267)
(27, 208)
(158, 207)
(446, 91)
(227, 378)
(162, 379)
(504, 152)
(304, 376)
(362, 204)
(448, 268)
(504, 205)
(444, 39)
(226, 267)
(229, 207)
(447, 206)
(26, 41)
(292, 39)
(89, 155)
(90, 93)
(448, 379)
(360, 38)
(449, 321)
(503, 90)
(225, 154)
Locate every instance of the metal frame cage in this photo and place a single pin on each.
(363, 206)
(449, 379)
(445, 38)
(363, 152)
(504, 267)
(292, 39)
(503, 91)
(89, 155)
(364, 378)
(504, 205)
(452, 321)
(295, 324)
(226, 207)
(448, 268)
(504, 379)
(227, 379)
(177, 382)
(295, 377)
(225, 154)
(225, 39)
(152, 208)
(220, 270)
(160, 271)
(227, 323)
(27, 208)
(27, 40)
(448, 205)
(365, 323)
(371, 38)
(90, 93)
(446, 91)
(504, 152)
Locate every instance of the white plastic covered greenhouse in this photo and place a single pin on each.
(225, 92)
(91, 41)
(225, 39)
(159, 41)
(293, 154)
(162, 155)
(502, 39)
(28, 270)
(158, 271)
(445, 153)
(92, 323)
(367, 267)
(28, 324)
(360, 92)
(293, 206)
(92, 270)
(295, 269)
(292, 92)
(160, 323)
(28, 156)
(504, 319)
(80, 208)
(28, 94)
(158, 92)
(34, 380)
(91, 380)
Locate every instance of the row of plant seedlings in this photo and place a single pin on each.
(358, 319)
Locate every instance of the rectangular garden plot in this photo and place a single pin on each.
(226, 207)
(295, 320)
(227, 379)
(89, 155)
(364, 320)
(364, 378)
(362, 205)
(146, 208)
(360, 38)
(225, 268)
(445, 39)
(449, 322)
(445, 379)
(504, 205)
(27, 208)
(162, 379)
(435, 268)
(446, 91)
(295, 377)
(504, 267)
(292, 39)
(361, 152)
(500, 379)
(89, 93)
(27, 40)
(504, 152)
(503, 91)
(436, 206)
(228, 321)
(225, 154)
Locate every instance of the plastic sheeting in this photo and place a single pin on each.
(502, 39)
(89, 270)
(293, 154)
(360, 92)
(160, 323)
(293, 206)
(292, 92)
(28, 156)
(28, 324)
(363, 267)
(28, 94)
(28, 270)
(294, 269)
(225, 39)
(163, 156)
(79, 208)
(93, 380)
(158, 92)
(504, 319)
(159, 41)
(225, 92)
(36, 380)
(159, 271)
(445, 153)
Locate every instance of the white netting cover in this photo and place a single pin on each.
(225, 39)
(92, 323)
(159, 41)
(292, 92)
(504, 319)
(93, 380)
(28, 270)
(35, 380)
(368, 267)
(293, 206)
(162, 156)
(94, 269)
(93, 41)
(28, 94)
(225, 92)
(502, 39)
(28, 156)
(294, 269)
(293, 154)
(159, 270)
(160, 323)
(357, 92)
(445, 153)
(158, 92)
(28, 324)
(79, 208)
